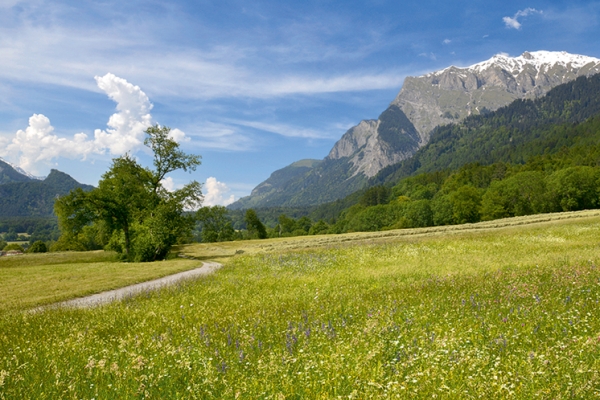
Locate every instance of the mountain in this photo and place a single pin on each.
(423, 103)
(554, 132)
(9, 173)
(24, 196)
(569, 115)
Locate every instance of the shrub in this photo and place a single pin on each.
(38, 247)
(13, 246)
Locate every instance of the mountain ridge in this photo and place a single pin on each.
(26, 196)
(423, 103)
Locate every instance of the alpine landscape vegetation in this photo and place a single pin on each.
(447, 249)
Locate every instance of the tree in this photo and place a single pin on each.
(38, 247)
(520, 194)
(319, 228)
(2, 244)
(130, 204)
(574, 188)
(419, 213)
(13, 246)
(214, 224)
(11, 235)
(286, 225)
(466, 201)
(254, 226)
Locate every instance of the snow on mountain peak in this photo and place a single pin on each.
(537, 59)
(540, 60)
(22, 171)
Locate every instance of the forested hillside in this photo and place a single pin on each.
(35, 198)
(529, 157)
(514, 133)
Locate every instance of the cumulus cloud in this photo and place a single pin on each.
(38, 143)
(216, 193)
(169, 184)
(513, 22)
(126, 127)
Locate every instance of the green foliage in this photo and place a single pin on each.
(133, 213)
(575, 188)
(256, 229)
(11, 235)
(520, 194)
(286, 225)
(375, 196)
(303, 186)
(567, 116)
(214, 224)
(443, 213)
(2, 244)
(34, 198)
(493, 314)
(38, 247)
(418, 214)
(13, 246)
(319, 228)
(397, 131)
(466, 201)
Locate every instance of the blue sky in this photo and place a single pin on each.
(250, 86)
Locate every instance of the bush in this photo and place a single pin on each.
(2, 244)
(38, 247)
(13, 246)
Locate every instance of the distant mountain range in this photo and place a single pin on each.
(23, 195)
(424, 103)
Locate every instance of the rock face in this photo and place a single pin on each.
(452, 94)
(424, 102)
(375, 144)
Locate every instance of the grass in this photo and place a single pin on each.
(35, 279)
(480, 311)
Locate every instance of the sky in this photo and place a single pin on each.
(249, 86)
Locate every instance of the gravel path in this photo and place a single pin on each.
(128, 291)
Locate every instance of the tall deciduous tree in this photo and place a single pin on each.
(143, 219)
(215, 225)
(254, 226)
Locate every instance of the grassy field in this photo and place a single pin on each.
(499, 310)
(35, 279)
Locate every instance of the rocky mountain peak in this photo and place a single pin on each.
(453, 93)
(424, 103)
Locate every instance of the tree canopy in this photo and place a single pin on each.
(131, 211)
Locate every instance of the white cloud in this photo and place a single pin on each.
(9, 3)
(513, 22)
(447, 41)
(60, 54)
(39, 144)
(169, 184)
(127, 126)
(431, 56)
(287, 130)
(216, 193)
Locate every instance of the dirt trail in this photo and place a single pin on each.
(128, 291)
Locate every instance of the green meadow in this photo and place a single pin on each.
(503, 309)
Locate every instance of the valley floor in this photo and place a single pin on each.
(506, 309)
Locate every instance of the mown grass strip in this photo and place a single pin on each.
(35, 279)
